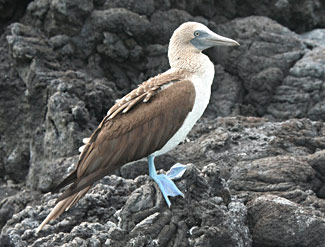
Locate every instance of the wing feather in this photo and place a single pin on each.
(112, 147)
(122, 138)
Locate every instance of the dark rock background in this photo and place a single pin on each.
(256, 174)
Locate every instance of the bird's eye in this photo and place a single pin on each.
(196, 33)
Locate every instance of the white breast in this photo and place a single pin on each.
(202, 84)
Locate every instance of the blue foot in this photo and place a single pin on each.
(165, 183)
(176, 171)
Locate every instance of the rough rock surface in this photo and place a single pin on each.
(248, 177)
(301, 17)
(251, 181)
(301, 92)
(268, 50)
(298, 226)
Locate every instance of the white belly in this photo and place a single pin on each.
(202, 96)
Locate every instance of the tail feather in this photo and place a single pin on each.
(78, 196)
(62, 206)
(68, 180)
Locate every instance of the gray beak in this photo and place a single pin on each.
(215, 39)
(207, 39)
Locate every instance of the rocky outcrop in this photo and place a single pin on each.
(298, 17)
(267, 52)
(63, 105)
(251, 181)
(11, 11)
(272, 216)
(119, 211)
(301, 92)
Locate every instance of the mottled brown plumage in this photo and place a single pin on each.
(145, 91)
(147, 125)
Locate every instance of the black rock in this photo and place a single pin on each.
(251, 181)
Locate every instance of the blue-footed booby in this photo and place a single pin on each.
(150, 120)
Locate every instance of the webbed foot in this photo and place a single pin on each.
(165, 183)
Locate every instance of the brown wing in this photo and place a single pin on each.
(123, 138)
(145, 91)
(129, 137)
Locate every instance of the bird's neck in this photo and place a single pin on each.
(189, 58)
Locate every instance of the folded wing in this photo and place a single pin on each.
(129, 133)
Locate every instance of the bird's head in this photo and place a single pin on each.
(187, 43)
(199, 36)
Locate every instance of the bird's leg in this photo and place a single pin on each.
(165, 183)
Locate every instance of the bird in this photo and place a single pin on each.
(150, 120)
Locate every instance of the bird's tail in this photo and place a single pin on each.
(62, 206)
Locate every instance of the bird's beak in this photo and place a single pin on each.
(208, 39)
(214, 39)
